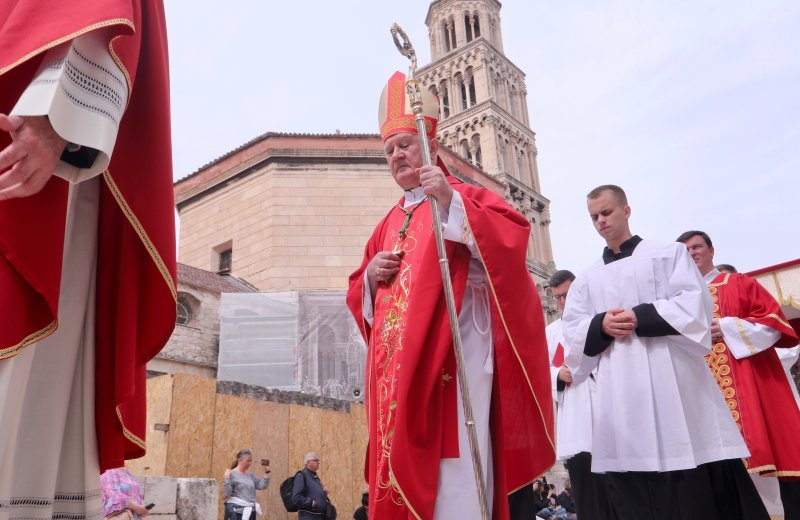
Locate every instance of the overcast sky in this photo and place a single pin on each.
(693, 106)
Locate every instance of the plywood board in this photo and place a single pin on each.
(358, 450)
(191, 426)
(270, 441)
(159, 406)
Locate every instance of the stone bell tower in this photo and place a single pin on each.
(484, 113)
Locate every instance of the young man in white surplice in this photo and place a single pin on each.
(661, 432)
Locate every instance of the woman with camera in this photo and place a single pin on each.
(239, 488)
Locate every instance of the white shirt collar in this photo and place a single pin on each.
(709, 277)
(413, 196)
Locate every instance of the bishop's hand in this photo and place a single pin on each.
(32, 156)
(382, 268)
(434, 184)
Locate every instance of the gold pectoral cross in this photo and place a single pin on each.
(401, 234)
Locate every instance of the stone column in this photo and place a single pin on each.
(501, 153)
(534, 169)
(524, 98)
(472, 25)
(487, 74)
(499, 33)
(455, 95)
(467, 80)
(548, 246)
(460, 30)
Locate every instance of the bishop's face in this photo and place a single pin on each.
(701, 253)
(404, 155)
(610, 217)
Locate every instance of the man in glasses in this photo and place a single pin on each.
(573, 413)
(308, 493)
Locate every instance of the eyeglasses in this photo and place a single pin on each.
(557, 297)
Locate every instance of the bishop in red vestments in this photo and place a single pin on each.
(418, 463)
(748, 325)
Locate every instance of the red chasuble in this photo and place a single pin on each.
(136, 292)
(755, 388)
(411, 391)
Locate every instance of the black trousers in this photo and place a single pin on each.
(588, 489)
(790, 497)
(720, 490)
(520, 504)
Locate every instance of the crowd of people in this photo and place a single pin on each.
(541, 500)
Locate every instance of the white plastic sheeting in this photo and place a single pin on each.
(302, 341)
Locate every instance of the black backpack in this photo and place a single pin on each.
(286, 493)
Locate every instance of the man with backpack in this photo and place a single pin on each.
(309, 496)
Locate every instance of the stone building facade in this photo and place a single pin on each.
(194, 345)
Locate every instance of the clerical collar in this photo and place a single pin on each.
(625, 250)
(413, 196)
(711, 275)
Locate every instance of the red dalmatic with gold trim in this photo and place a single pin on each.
(135, 297)
(411, 391)
(755, 388)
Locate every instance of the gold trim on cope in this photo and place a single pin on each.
(779, 320)
(782, 474)
(137, 226)
(745, 337)
(724, 281)
(29, 340)
(72, 36)
(761, 469)
(121, 66)
(128, 435)
(400, 490)
(510, 339)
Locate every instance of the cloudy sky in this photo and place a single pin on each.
(693, 106)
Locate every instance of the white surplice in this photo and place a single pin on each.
(457, 495)
(573, 404)
(657, 406)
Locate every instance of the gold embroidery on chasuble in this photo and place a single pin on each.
(391, 317)
(719, 363)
